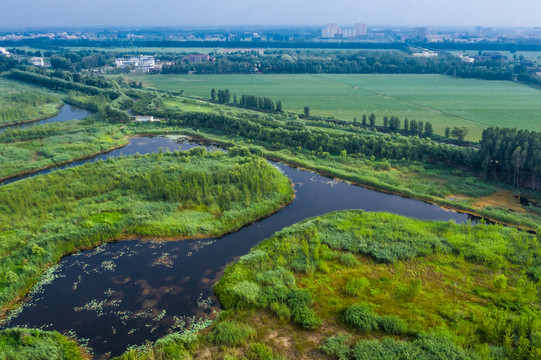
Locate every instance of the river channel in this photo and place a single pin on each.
(124, 293)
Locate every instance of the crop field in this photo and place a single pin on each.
(443, 101)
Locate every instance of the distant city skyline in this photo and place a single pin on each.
(179, 13)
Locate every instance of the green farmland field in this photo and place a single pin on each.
(442, 100)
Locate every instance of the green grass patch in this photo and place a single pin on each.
(443, 101)
(181, 194)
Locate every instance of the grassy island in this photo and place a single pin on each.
(177, 195)
(23, 103)
(357, 285)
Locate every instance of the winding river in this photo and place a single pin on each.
(124, 293)
(65, 113)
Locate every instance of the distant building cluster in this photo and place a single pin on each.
(425, 53)
(196, 58)
(37, 61)
(332, 31)
(143, 63)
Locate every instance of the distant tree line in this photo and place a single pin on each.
(505, 155)
(50, 81)
(342, 62)
(246, 101)
(512, 156)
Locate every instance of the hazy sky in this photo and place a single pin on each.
(78, 13)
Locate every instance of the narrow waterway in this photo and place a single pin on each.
(65, 113)
(122, 294)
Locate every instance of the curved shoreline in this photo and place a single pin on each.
(19, 300)
(58, 107)
(328, 174)
(67, 162)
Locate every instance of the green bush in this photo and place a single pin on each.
(230, 334)
(349, 259)
(500, 282)
(273, 294)
(281, 310)
(355, 287)
(337, 346)
(24, 344)
(392, 325)
(259, 351)
(361, 318)
(387, 349)
(176, 345)
(306, 318)
(276, 277)
(246, 292)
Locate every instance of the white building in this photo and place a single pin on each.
(37, 61)
(140, 63)
(333, 31)
(146, 118)
(425, 53)
(4, 52)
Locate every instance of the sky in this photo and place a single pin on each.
(188, 13)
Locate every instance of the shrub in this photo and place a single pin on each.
(273, 294)
(386, 349)
(259, 351)
(276, 277)
(231, 334)
(440, 347)
(175, 345)
(306, 318)
(337, 346)
(281, 310)
(349, 259)
(362, 318)
(500, 282)
(246, 292)
(299, 298)
(392, 325)
(23, 344)
(186, 339)
(355, 287)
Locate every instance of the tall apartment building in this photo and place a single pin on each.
(331, 31)
(420, 32)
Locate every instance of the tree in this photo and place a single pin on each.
(459, 132)
(213, 94)
(306, 111)
(386, 121)
(355, 121)
(428, 129)
(235, 101)
(414, 127)
(406, 124)
(279, 106)
(447, 132)
(364, 120)
(372, 119)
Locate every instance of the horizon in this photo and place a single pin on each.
(34, 14)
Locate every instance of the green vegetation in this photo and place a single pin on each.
(24, 344)
(428, 290)
(420, 169)
(20, 103)
(181, 194)
(48, 145)
(440, 100)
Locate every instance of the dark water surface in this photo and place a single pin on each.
(121, 294)
(66, 112)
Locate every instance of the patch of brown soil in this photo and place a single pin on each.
(503, 199)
